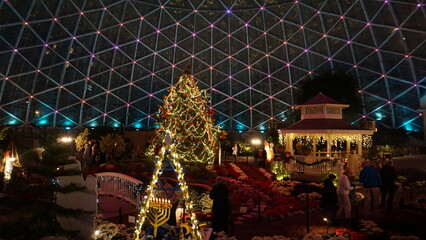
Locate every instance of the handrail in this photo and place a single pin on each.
(119, 185)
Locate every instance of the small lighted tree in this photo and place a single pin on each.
(112, 145)
(185, 113)
(81, 140)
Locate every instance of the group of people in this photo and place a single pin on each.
(92, 153)
(336, 201)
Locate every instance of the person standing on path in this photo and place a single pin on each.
(371, 181)
(388, 176)
(343, 189)
(329, 199)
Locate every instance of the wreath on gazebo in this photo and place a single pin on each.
(304, 148)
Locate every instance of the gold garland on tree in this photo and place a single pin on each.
(185, 112)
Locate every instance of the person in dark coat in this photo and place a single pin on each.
(388, 176)
(329, 199)
(263, 157)
(221, 208)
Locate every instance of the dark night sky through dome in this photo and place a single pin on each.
(110, 62)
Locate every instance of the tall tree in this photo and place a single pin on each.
(28, 207)
(339, 86)
(185, 113)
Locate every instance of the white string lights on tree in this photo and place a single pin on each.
(367, 141)
(185, 112)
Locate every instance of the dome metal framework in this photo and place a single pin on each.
(110, 62)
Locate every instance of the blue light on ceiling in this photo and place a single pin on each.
(42, 122)
(12, 122)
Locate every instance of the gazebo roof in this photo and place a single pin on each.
(324, 125)
(321, 99)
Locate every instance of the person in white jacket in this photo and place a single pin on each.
(343, 189)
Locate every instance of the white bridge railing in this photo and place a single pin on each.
(120, 186)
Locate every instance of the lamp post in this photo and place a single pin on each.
(326, 221)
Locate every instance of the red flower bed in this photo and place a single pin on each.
(348, 233)
(278, 205)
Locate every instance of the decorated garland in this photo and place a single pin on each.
(324, 160)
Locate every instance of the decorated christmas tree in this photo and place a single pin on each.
(185, 113)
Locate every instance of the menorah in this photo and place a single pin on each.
(158, 212)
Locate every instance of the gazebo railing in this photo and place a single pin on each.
(120, 186)
(315, 166)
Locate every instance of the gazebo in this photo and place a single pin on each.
(322, 141)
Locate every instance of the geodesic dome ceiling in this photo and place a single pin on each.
(110, 62)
